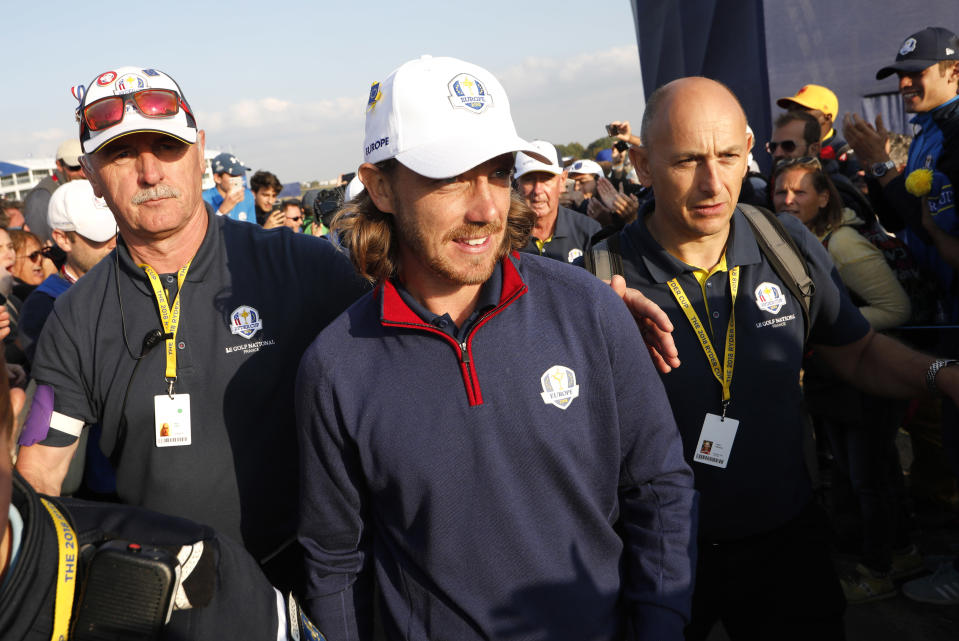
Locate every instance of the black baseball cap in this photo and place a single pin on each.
(923, 49)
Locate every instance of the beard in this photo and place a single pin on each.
(470, 269)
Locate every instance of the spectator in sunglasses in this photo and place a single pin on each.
(31, 265)
(84, 228)
(795, 134)
(38, 199)
(292, 214)
(821, 103)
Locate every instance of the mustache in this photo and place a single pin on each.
(474, 230)
(153, 193)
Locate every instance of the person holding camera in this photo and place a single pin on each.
(228, 196)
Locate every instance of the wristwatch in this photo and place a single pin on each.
(879, 169)
(937, 365)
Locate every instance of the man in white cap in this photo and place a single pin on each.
(36, 203)
(517, 472)
(559, 232)
(585, 175)
(83, 227)
(183, 346)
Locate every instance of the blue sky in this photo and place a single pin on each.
(283, 84)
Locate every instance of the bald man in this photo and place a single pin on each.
(764, 567)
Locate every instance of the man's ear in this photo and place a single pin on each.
(87, 163)
(62, 240)
(750, 140)
(200, 145)
(639, 157)
(377, 184)
(953, 75)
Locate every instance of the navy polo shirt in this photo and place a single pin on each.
(765, 483)
(240, 473)
(489, 296)
(570, 238)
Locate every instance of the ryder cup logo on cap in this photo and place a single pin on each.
(103, 120)
(526, 164)
(922, 50)
(440, 117)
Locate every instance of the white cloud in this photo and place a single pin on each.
(272, 112)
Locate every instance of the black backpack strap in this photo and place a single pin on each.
(605, 262)
(783, 255)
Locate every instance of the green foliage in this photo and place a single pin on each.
(576, 150)
(598, 145)
(573, 149)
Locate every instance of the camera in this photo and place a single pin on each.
(127, 592)
(621, 145)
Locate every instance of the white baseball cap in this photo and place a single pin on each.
(353, 189)
(121, 81)
(74, 207)
(69, 152)
(526, 164)
(586, 167)
(439, 117)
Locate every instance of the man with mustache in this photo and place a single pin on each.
(517, 473)
(183, 343)
(559, 233)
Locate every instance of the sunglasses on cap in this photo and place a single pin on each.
(151, 103)
(788, 146)
(808, 162)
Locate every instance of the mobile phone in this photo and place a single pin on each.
(612, 130)
(127, 592)
(236, 182)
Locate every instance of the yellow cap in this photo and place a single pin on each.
(813, 97)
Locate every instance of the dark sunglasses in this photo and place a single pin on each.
(295, 218)
(36, 256)
(152, 103)
(788, 146)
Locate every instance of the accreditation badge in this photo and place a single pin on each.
(716, 441)
(172, 418)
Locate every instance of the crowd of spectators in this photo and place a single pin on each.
(155, 329)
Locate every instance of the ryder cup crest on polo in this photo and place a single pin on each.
(125, 80)
(439, 117)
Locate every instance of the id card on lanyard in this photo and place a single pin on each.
(171, 411)
(719, 431)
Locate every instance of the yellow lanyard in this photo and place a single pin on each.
(169, 318)
(723, 374)
(66, 572)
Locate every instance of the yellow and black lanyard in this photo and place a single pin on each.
(69, 558)
(169, 317)
(723, 374)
